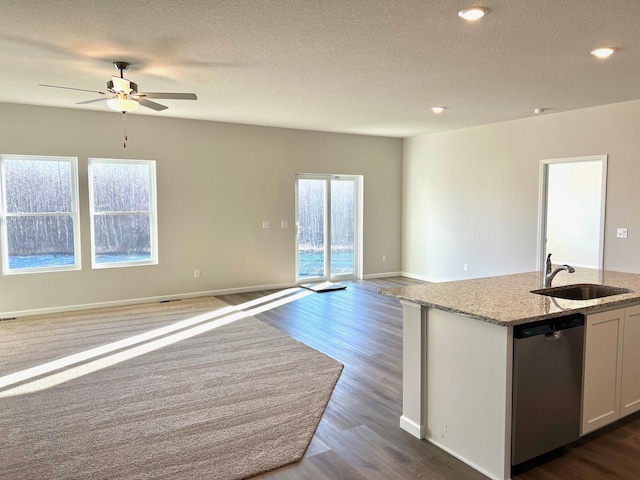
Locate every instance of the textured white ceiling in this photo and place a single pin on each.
(358, 66)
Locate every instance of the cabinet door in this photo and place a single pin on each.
(630, 394)
(602, 372)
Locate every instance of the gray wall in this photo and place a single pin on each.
(217, 182)
(471, 195)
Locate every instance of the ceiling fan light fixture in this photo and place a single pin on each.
(122, 103)
(472, 14)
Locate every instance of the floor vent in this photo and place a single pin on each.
(167, 301)
(9, 318)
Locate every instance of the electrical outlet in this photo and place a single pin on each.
(384, 258)
(196, 273)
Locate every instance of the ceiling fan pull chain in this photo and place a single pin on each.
(124, 128)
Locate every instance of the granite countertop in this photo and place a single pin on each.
(507, 300)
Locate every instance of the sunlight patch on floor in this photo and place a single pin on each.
(214, 319)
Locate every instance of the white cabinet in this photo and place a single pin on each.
(611, 377)
(630, 392)
(602, 372)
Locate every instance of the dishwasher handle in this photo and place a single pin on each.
(553, 336)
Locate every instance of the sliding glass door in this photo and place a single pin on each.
(328, 218)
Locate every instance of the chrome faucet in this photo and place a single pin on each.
(547, 278)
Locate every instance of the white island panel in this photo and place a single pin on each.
(468, 394)
(413, 369)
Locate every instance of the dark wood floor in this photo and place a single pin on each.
(359, 437)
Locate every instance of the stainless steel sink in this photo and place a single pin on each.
(583, 291)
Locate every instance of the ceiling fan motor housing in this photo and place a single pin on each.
(122, 66)
(132, 86)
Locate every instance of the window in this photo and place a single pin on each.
(40, 222)
(122, 199)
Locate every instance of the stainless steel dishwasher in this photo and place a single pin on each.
(547, 386)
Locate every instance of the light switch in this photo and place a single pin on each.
(621, 233)
(266, 224)
(284, 223)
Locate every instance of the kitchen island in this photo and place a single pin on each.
(458, 355)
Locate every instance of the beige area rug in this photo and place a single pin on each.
(215, 403)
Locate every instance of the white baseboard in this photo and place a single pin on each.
(254, 288)
(371, 276)
(163, 298)
(411, 427)
(137, 301)
(491, 475)
(423, 278)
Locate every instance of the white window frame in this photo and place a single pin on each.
(153, 213)
(74, 214)
(358, 181)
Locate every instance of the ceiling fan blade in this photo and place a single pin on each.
(168, 96)
(71, 88)
(152, 105)
(93, 101)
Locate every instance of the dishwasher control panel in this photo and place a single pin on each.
(548, 326)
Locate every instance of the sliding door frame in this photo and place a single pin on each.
(358, 237)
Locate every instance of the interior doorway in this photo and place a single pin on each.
(328, 221)
(572, 211)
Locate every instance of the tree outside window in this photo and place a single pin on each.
(40, 222)
(123, 213)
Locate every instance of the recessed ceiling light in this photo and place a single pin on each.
(473, 13)
(604, 52)
(437, 109)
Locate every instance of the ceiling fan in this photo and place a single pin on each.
(122, 95)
